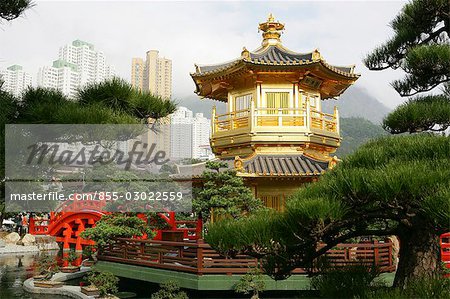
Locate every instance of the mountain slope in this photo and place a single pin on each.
(357, 102)
(355, 132)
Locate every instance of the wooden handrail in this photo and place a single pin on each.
(198, 257)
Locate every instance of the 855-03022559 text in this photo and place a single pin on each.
(99, 195)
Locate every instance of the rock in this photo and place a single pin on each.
(46, 242)
(2, 244)
(12, 238)
(28, 240)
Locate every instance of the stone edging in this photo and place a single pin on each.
(66, 290)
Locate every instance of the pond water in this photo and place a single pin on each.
(14, 270)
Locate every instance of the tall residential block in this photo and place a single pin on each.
(154, 74)
(181, 133)
(78, 64)
(201, 130)
(189, 135)
(15, 79)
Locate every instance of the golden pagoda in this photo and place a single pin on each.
(274, 132)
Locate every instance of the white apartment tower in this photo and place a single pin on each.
(78, 64)
(15, 80)
(189, 135)
(154, 74)
(201, 131)
(181, 133)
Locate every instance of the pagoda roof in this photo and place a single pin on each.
(262, 165)
(284, 165)
(273, 56)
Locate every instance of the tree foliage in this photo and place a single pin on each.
(420, 47)
(110, 102)
(390, 186)
(420, 114)
(251, 283)
(12, 9)
(106, 282)
(170, 290)
(117, 226)
(223, 193)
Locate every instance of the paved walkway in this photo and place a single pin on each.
(14, 249)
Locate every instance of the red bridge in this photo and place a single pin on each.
(72, 218)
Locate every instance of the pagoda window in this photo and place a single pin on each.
(242, 102)
(277, 100)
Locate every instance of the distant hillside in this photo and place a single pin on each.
(357, 102)
(356, 131)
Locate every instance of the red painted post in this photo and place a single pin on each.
(31, 225)
(376, 252)
(172, 219)
(199, 256)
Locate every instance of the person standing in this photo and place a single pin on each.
(24, 224)
(18, 221)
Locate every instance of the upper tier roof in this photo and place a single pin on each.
(273, 55)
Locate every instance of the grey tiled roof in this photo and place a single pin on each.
(274, 54)
(196, 170)
(285, 165)
(263, 165)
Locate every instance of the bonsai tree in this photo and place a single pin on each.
(88, 252)
(252, 282)
(117, 226)
(223, 193)
(104, 281)
(170, 290)
(46, 266)
(71, 257)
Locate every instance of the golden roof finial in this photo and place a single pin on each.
(316, 55)
(245, 53)
(271, 29)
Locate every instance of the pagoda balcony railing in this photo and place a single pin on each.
(278, 119)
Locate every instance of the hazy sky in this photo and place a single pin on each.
(203, 33)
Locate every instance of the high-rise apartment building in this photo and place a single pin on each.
(62, 75)
(201, 130)
(15, 79)
(154, 74)
(78, 64)
(189, 135)
(181, 133)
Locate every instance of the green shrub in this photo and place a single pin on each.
(437, 287)
(105, 281)
(252, 282)
(170, 290)
(346, 282)
(116, 226)
(47, 265)
(71, 257)
(88, 252)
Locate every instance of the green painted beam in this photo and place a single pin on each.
(207, 282)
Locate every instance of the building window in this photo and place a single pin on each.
(277, 100)
(242, 102)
